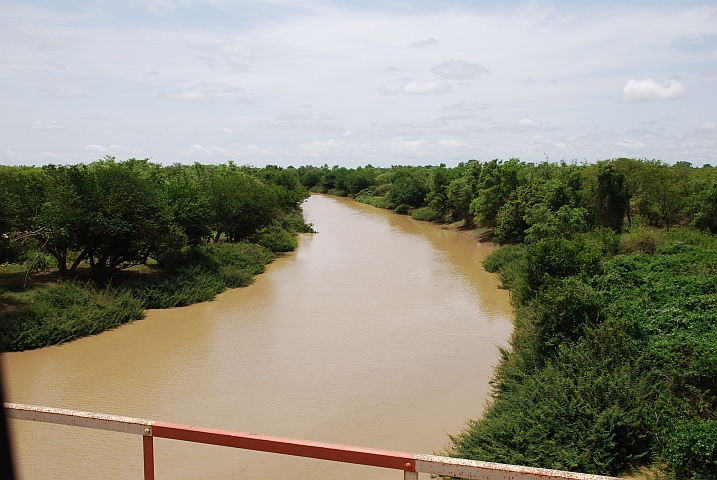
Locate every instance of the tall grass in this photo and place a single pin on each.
(64, 311)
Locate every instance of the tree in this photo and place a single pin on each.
(613, 197)
(240, 203)
(437, 198)
(496, 183)
(409, 186)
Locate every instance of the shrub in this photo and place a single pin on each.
(381, 190)
(691, 449)
(295, 222)
(427, 214)
(277, 239)
(339, 192)
(205, 272)
(402, 209)
(380, 202)
(641, 240)
(64, 311)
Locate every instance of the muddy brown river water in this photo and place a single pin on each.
(379, 331)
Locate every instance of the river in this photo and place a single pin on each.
(379, 331)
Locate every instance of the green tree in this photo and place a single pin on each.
(240, 203)
(613, 197)
(409, 186)
(498, 180)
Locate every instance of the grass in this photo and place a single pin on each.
(46, 312)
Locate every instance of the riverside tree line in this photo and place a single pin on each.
(124, 236)
(612, 366)
(612, 269)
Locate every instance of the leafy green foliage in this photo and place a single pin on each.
(613, 361)
(113, 215)
(426, 214)
(276, 239)
(65, 311)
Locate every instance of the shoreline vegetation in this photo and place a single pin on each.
(87, 248)
(611, 267)
(612, 270)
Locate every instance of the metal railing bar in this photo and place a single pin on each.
(287, 446)
(410, 463)
(77, 418)
(475, 469)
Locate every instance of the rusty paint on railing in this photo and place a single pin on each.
(409, 463)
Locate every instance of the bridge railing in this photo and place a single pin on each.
(410, 463)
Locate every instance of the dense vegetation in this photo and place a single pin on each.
(124, 236)
(612, 270)
(611, 267)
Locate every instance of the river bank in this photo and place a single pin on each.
(380, 331)
(49, 312)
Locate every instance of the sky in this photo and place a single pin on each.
(351, 83)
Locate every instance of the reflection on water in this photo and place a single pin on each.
(380, 331)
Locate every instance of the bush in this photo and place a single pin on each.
(691, 449)
(557, 258)
(380, 202)
(509, 263)
(339, 192)
(65, 311)
(205, 272)
(381, 190)
(402, 209)
(612, 365)
(295, 222)
(641, 240)
(277, 239)
(426, 214)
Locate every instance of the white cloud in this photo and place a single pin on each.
(99, 149)
(460, 69)
(451, 142)
(426, 88)
(210, 151)
(46, 125)
(648, 89)
(707, 129)
(527, 123)
(631, 144)
(201, 92)
(265, 151)
(466, 106)
(418, 88)
(453, 118)
(545, 141)
(246, 150)
(414, 146)
(709, 126)
(318, 148)
(315, 121)
(431, 42)
(227, 131)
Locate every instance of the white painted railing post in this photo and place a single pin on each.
(410, 475)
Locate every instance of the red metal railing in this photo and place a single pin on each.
(410, 463)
